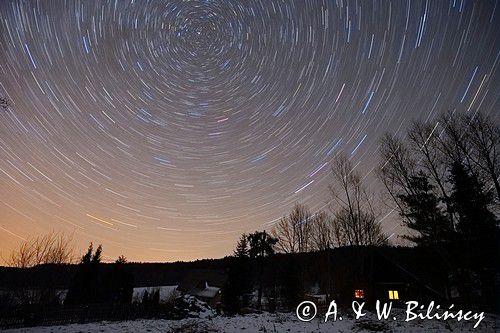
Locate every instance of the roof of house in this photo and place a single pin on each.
(208, 292)
(410, 274)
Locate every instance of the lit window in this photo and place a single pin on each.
(393, 294)
(359, 293)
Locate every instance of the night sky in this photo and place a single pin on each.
(165, 129)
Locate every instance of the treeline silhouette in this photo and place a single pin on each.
(91, 284)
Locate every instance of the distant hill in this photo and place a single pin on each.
(419, 263)
(145, 274)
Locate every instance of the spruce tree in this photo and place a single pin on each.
(471, 202)
(241, 250)
(423, 213)
(477, 244)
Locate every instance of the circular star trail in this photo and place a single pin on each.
(164, 129)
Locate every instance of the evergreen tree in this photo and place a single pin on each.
(239, 277)
(121, 260)
(87, 257)
(261, 246)
(478, 232)
(241, 250)
(87, 286)
(118, 283)
(471, 202)
(423, 213)
(96, 259)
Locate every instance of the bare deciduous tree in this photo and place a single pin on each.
(485, 137)
(424, 141)
(53, 248)
(354, 220)
(294, 231)
(322, 231)
(430, 149)
(406, 162)
(474, 140)
(398, 167)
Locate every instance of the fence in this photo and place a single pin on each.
(26, 316)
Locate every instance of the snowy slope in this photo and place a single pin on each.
(271, 323)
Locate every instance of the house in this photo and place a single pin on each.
(204, 284)
(371, 274)
(208, 294)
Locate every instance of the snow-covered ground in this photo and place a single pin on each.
(267, 322)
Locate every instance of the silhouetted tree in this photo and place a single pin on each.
(261, 246)
(121, 260)
(90, 257)
(441, 177)
(423, 213)
(241, 250)
(239, 278)
(354, 220)
(86, 286)
(294, 231)
(51, 249)
(477, 225)
(430, 149)
(118, 283)
(477, 230)
(322, 231)
(425, 141)
(471, 202)
(96, 259)
(473, 140)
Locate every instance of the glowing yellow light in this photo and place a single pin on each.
(393, 294)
